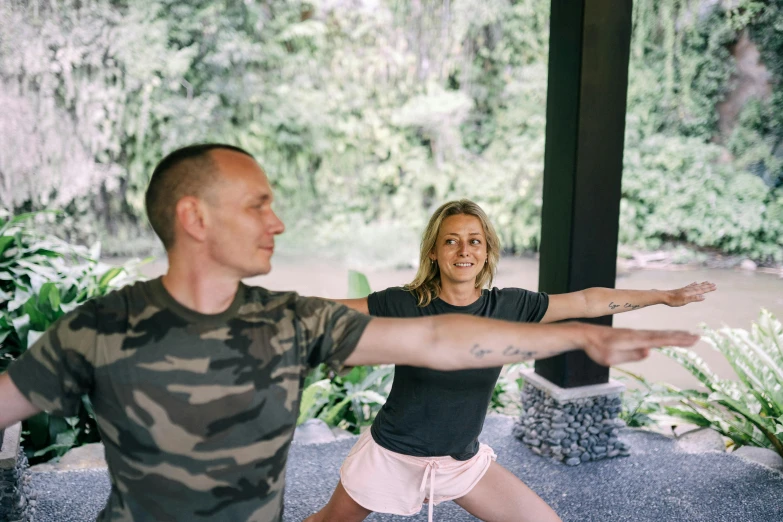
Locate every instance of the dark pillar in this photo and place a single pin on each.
(589, 46)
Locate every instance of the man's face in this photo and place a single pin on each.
(241, 225)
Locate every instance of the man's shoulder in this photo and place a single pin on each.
(262, 293)
(259, 297)
(120, 300)
(276, 305)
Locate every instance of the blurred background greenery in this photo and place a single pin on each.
(367, 114)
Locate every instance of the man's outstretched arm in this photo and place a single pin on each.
(14, 407)
(455, 342)
(597, 302)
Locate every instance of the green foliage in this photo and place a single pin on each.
(506, 397)
(348, 402)
(42, 278)
(358, 286)
(765, 21)
(677, 189)
(351, 400)
(643, 406)
(680, 67)
(755, 139)
(750, 410)
(365, 115)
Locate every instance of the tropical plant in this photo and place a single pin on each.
(351, 400)
(348, 402)
(42, 278)
(749, 410)
(507, 395)
(641, 405)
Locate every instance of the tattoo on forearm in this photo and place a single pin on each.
(513, 351)
(479, 352)
(629, 306)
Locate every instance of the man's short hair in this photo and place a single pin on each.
(188, 171)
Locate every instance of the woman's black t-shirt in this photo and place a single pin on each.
(434, 413)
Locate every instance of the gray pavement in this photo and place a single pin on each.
(656, 483)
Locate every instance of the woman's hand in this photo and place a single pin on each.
(692, 293)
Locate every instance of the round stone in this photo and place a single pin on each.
(558, 434)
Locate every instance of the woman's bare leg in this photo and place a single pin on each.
(501, 497)
(341, 508)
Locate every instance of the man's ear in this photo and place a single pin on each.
(191, 217)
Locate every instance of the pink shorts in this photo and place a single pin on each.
(387, 482)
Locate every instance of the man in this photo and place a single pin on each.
(195, 378)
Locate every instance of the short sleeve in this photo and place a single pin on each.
(376, 303)
(392, 302)
(525, 306)
(330, 330)
(57, 369)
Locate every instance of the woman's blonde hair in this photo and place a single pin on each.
(426, 284)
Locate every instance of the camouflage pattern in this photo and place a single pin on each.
(196, 412)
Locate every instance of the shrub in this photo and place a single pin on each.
(42, 278)
(352, 400)
(749, 411)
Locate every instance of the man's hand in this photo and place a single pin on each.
(689, 294)
(609, 346)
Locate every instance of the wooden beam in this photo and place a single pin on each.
(587, 88)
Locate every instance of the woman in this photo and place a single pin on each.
(423, 445)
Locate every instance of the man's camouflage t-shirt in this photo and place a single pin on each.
(196, 411)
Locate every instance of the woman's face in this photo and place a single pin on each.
(460, 250)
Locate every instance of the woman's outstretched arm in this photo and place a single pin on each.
(597, 302)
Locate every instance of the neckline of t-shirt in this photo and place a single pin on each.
(166, 300)
(475, 304)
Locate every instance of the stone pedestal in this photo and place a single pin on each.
(16, 502)
(571, 425)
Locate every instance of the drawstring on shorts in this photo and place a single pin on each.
(432, 466)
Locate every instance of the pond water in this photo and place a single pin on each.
(737, 302)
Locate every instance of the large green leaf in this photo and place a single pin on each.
(358, 285)
(314, 397)
(110, 274)
(747, 410)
